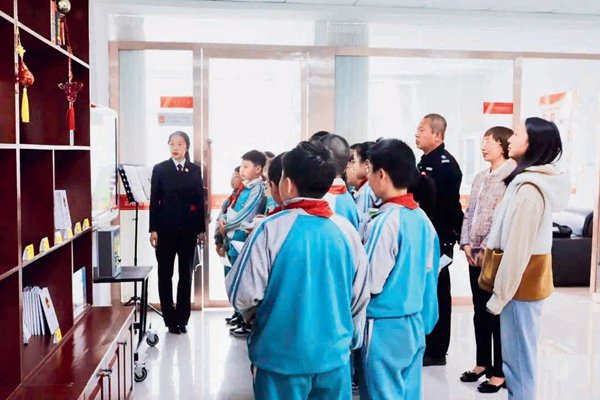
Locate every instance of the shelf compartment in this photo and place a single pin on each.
(51, 271)
(35, 14)
(7, 7)
(37, 197)
(10, 320)
(9, 232)
(7, 82)
(72, 173)
(82, 258)
(47, 103)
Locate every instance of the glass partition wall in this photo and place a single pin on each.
(270, 97)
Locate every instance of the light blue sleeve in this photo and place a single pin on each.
(247, 281)
(430, 313)
(249, 210)
(382, 249)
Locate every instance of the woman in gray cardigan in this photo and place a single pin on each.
(486, 192)
(522, 233)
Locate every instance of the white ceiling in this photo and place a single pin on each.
(586, 7)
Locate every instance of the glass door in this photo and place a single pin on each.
(251, 101)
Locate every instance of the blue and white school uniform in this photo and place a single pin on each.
(244, 208)
(403, 251)
(342, 203)
(303, 279)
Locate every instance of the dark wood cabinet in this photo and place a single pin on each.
(94, 358)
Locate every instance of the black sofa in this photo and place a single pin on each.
(571, 256)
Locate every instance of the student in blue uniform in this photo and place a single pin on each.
(403, 251)
(302, 278)
(246, 203)
(338, 197)
(357, 176)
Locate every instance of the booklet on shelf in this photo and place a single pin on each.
(62, 215)
(79, 292)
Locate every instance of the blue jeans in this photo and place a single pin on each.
(519, 331)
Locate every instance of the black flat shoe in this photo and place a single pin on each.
(487, 387)
(182, 328)
(471, 376)
(174, 330)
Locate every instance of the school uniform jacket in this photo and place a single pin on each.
(304, 280)
(343, 203)
(177, 198)
(403, 251)
(246, 206)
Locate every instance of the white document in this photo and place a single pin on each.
(135, 183)
(49, 311)
(445, 261)
(39, 311)
(62, 216)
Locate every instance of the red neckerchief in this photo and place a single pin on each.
(338, 189)
(406, 200)
(362, 183)
(319, 208)
(234, 197)
(275, 211)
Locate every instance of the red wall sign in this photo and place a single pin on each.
(176, 102)
(497, 108)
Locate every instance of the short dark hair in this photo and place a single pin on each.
(397, 159)
(269, 154)
(545, 146)
(275, 168)
(500, 134)
(362, 149)
(340, 150)
(319, 134)
(310, 166)
(237, 169)
(438, 123)
(255, 157)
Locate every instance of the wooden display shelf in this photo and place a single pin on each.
(9, 271)
(9, 237)
(72, 173)
(10, 371)
(66, 372)
(7, 9)
(52, 147)
(47, 102)
(7, 82)
(65, 242)
(37, 196)
(35, 14)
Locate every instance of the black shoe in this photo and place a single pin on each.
(229, 320)
(242, 331)
(182, 328)
(174, 330)
(471, 376)
(487, 387)
(429, 361)
(236, 321)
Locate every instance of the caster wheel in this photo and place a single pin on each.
(152, 339)
(140, 374)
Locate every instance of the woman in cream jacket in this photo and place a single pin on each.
(522, 232)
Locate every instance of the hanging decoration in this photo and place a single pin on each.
(71, 89)
(25, 79)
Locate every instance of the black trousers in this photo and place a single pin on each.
(183, 245)
(438, 341)
(487, 327)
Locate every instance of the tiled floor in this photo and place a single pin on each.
(208, 363)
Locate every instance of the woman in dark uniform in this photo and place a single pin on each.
(176, 224)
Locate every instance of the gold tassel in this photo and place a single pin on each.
(25, 107)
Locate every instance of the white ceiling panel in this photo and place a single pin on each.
(324, 2)
(460, 4)
(529, 5)
(392, 3)
(589, 7)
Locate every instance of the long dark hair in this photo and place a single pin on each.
(186, 139)
(545, 146)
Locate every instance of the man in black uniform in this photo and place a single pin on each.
(447, 217)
